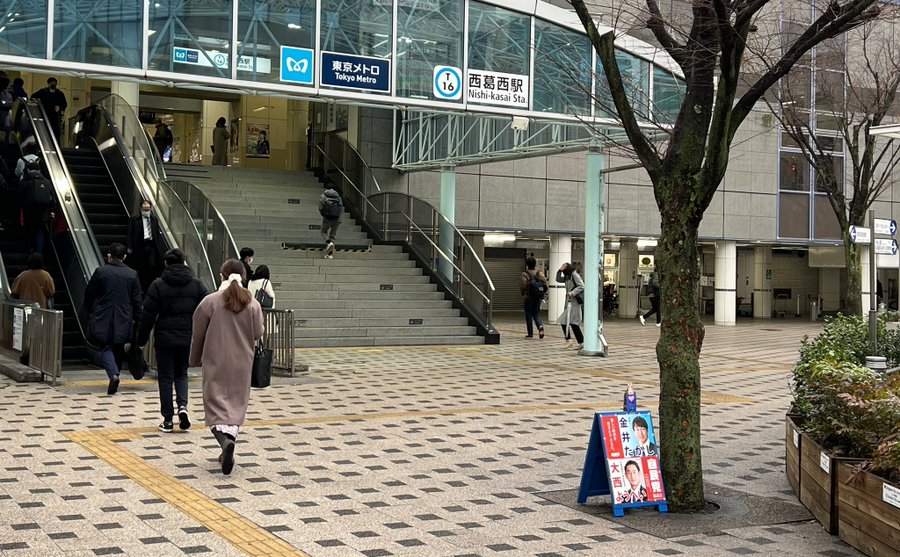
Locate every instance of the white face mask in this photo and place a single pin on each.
(145, 213)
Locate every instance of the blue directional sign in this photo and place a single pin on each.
(885, 226)
(297, 65)
(356, 72)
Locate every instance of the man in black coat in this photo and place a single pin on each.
(169, 306)
(112, 299)
(144, 237)
(55, 104)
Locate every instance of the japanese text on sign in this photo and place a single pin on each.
(356, 72)
(632, 458)
(498, 88)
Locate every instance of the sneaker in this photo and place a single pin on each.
(184, 421)
(659, 324)
(641, 317)
(541, 332)
(227, 457)
(166, 426)
(113, 386)
(329, 256)
(579, 346)
(568, 344)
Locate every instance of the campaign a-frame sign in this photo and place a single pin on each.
(623, 462)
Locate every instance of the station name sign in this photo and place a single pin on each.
(497, 88)
(356, 72)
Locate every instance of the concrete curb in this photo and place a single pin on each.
(20, 373)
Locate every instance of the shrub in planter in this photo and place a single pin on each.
(868, 506)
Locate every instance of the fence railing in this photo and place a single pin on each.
(35, 333)
(279, 337)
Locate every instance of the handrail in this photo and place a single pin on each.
(376, 210)
(210, 223)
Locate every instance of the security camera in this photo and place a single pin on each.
(519, 123)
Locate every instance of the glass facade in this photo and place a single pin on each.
(429, 34)
(264, 27)
(668, 94)
(106, 32)
(191, 37)
(361, 27)
(562, 70)
(23, 28)
(636, 77)
(499, 39)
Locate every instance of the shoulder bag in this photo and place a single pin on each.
(265, 301)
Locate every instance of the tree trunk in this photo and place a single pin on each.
(678, 349)
(853, 292)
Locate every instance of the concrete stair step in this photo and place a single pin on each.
(364, 295)
(353, 332)
(388, 341)
(297, 291)
(348, 274)
(421, 321)
(287, 262)
(334, 303)
(433, 313)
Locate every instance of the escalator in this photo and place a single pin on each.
(99, 196)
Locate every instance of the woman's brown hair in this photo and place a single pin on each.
(236, 296)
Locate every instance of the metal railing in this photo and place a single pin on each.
(279, 337)
(26, 330)
(218, 243)
(401, 218)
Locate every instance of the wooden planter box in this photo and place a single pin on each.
(867, 520)
(792, 443)
(818, 482)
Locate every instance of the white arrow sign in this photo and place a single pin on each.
(885, 226)
(860, 235)
(885, 246)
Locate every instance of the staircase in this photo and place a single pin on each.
(368, 295)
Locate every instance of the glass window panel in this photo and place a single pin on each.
(831, 52)
(787, 140)
(104, 32)
(636, 77)
(829, 91)
(793, 215)
(796, 88)
(562, 70)
(264, 27)
(791, 31)
(827, 226)
(794, 172)
(190, 37)
(24, 24)
(668, 94)
(499, 40)
(429, 34)
(360, 27)
(837, 164)
(830, 143)
(826, 121)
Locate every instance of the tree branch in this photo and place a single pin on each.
(656, 24)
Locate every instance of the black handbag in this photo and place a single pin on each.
(261, 375)
(137, 365)
(265, 301)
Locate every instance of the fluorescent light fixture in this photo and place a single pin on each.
(498, 238)
(294, 26)
(649, 243)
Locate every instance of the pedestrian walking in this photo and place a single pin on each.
(533, 286)
(226, 327)
(331, 208)
(34, 284)
(18, 88)
(112, 301)
(260, 287)
(144, 238)
(30, 155)
(54, 103)
(168, 310)
(570, 318)
(246, 259)
(162, 139)
(652, 293)
(220, 138)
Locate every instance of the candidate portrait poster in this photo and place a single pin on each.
(632, 458)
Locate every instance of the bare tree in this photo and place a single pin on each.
(856, 84)
(720, 51)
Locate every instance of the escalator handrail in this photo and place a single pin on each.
(212, 206)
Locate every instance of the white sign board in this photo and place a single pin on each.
(448, 84)
(860, 235)
(885, 226)
(215, 59)
(825, 462)
(497, 88)
(885, 246)
(18, 328)
(890, 495)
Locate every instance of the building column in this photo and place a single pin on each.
(130, 92)
(593, 255)
(726, 282)
(762, 282)
(866, 280)
(830, 288)
(560, 252)
(448, 209)
(629, 294)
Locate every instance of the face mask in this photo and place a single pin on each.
(145, 213)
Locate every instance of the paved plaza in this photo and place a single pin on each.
(416, 451)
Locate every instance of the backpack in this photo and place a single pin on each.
(39, 194)
(333, 208)
(536, 288)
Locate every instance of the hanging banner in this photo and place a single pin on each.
(497, 88)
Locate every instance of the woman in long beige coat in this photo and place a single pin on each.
(220, 143)
(226, 326)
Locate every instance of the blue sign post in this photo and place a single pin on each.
(356, 72)
(297, 65)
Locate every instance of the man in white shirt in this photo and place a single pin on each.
(144, 237)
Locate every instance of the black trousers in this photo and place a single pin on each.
(147, 264)
(171, 369)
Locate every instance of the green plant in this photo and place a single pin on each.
(886, 461)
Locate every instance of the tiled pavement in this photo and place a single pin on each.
(418, 451)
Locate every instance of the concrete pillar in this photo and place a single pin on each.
(130, 91)
(866, 280)
(726, 286)
(762, 282)
(448, 208)
(560, 252)
(830, 288)
(629, 296)
(593, 255)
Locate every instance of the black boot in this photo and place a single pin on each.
(227, 457)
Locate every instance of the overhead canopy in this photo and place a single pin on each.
(892, 131)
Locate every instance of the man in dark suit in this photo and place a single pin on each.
(641, 434)
(144, 236)
(112, 299)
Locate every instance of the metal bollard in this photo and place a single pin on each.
(878, 364)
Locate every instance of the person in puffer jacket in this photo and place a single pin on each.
(169, 306)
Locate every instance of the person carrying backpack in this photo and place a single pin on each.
(36, 193)
(533, 286)
(331, 208)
